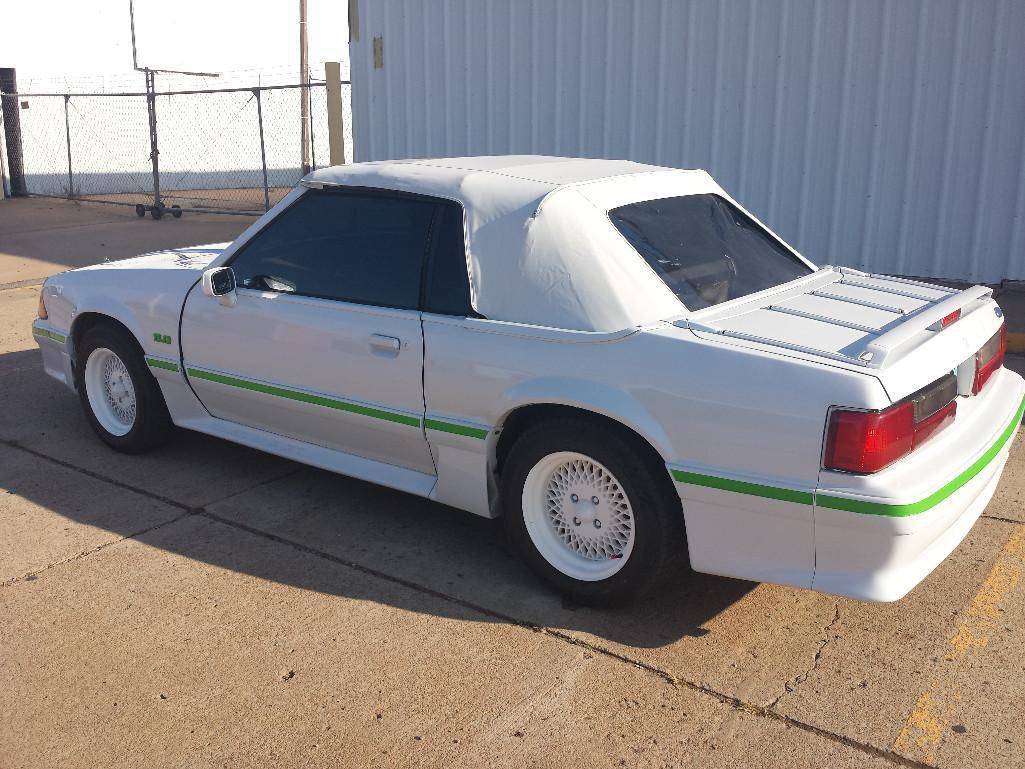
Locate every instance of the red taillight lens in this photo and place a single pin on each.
(867, 441)
(989, 359)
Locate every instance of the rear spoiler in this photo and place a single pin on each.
(893, 343)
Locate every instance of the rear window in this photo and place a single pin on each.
(706, 249)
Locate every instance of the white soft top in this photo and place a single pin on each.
(541, 249)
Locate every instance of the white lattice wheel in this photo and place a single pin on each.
(578, 516)
(110, 390)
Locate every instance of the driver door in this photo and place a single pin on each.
(324, 343)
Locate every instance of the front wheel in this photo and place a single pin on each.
(590, 513)
(120, 397)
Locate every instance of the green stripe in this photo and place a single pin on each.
(303, 397)
(40, 331)
(743, 487)
(164, 364)
(857, 505)
(914, 508)
(449, 427)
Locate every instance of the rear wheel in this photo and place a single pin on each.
(120, 397)
(590, 513)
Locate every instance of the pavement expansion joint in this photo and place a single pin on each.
(1001, 519)
(247, 489)
(98, 476)
(32, 575)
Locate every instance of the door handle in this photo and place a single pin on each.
(384, 342)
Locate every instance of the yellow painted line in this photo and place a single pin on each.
(931, 717)
(1016, 342)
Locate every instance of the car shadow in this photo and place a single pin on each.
(426, 549)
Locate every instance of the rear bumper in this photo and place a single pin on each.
(871, 537)
(56, 356)
(878, 536)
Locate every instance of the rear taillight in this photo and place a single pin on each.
(989, 358)
(868, 441)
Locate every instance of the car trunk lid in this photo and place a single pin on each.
(905, 332)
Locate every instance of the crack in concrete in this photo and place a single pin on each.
(733, 702)
(790, 686)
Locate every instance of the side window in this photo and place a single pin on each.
(447, 283)
(358, 247)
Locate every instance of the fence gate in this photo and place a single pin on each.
(231, 150)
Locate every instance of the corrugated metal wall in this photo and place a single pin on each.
(883, 134)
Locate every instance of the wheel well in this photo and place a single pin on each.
(89, 320)
(525, 417)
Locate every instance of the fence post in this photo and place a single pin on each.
(335, 119)
(154, 151)
(12, 131)
(263, 150)
(67, 134)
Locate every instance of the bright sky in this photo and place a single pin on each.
(86, 44)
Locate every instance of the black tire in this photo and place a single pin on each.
(176, 211)
(140, 210)
(660, 545)
(152, 425)
(156, 212)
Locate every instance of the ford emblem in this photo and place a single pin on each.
(998, 312)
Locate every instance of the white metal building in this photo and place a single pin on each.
(882, 134)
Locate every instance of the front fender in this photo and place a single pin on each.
(148, 310)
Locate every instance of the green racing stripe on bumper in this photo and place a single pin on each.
(449, 427)
(743, 487)
(949, 488)
(164, 364)
(45, 332)
(857, 505)
(304, 397)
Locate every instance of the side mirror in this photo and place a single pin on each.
(220, 282)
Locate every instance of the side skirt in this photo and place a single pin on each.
(371, 470)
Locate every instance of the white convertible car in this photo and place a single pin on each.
(617, 358)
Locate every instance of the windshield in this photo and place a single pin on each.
(706, 249)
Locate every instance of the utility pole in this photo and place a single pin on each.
(304, 81)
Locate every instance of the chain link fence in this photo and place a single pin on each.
(233, 150)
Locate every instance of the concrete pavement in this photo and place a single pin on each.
(208, 605)
(40, 236)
